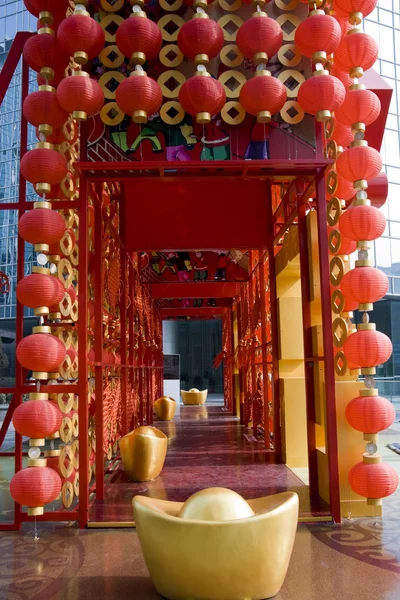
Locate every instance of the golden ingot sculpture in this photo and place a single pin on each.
(217, 546)
(143, 453)
(194, 397)
(165, 408)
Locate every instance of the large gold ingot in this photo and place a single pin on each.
(244, 558)
(194, 397)
(143, 453)
(165, 408)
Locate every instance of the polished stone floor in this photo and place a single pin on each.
(207, 448)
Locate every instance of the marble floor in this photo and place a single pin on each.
(207, 448)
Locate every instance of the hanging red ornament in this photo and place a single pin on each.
(41, 109)
(139, 96)
(359, 164)
(80, 95)
(44, 54)
(361, 107)
(46, 10)
(41, 225)
(367, 348)
(318, 36)
(370, 414)
(259, 38)
(202, 96)
(342, 75)
(41, 353)
(39, 291)
(342, 135)
(81, 37)
(43, 166)
(363, 223)
(37, 419)
(200, 39)
(321, 95)
(354, 10)
(366, 285)
(356, 53)
(344, 189)
(263, 96)
(373, 479)
(34, 487)
(139, 38)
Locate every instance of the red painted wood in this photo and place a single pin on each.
(98, 337)
(264, 340)
(222, 289)
(194, 312)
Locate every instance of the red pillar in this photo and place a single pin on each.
(98, 341)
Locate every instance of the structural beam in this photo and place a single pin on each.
(194, 312)
(217, 289)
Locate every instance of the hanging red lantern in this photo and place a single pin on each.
(139, 96)
(367, 348)
(361, 107)
(43, 166)
(44, 54)
(356, 53)
(81, 37)
(321, 95)
(41, 353)
(344, 189)
(355, 10)
(370, 414)
(318, 36)
(342, 135)
(34, 487)
(202, 96)
(80, 95)
(366, 285)
(344, 24)
(262, 96)
(342, 75)
(37, 419)
(373, 479)
(363, 223)
(139, 38)
(359, 164)
(39, 291)
(45, 10)
(41, 226)
(41, 109)
(259, 38)
(200, 39)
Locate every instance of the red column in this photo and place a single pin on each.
(98, 341)
(264, 341)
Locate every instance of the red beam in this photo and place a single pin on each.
(220, 289)
(210, 312)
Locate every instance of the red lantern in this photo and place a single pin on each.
(366, 285)
(360, 107)
(139, 96)
(373, 480)
(367, 348)
(342, 75)
(202, 96)
(344, 24)
(41, 226)
(41, 109)
(321, 95)
(200, 39)
(342, 135)
(259, 38)
(39, 290)
(34, 487)
(43, 166)
(359, 164)
(81, 37)
(262, 96)
(41, 353)
(318, 36)
(80, 95)
(356, 53)
(363, 223)
(44, 54)
(44, 9)
(139, 39)
(354, 9)
(37, 419)
(344, 189)
(370, 414)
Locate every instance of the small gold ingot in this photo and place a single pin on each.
(201, 59)
(139, 116)
(323, 115)
(138, 58)
(203, 118)
(35, 511)
(194, 397)
(81, 58)
(264, 116)
(79, 115)
(44, 127)
(165, 408)
(260, 58)
(143, 453)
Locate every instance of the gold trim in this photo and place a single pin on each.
(111, 121)
(295, 21)
(296, 75)
(285, 112)
(164, 77)
(109, 7)
(228, 62)
(225, 5)
(106, 78)
(108, 20)
(176, 5)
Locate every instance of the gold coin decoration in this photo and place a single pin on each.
(292, 113)
(233, 113)
(172, 112)
(340, 332)
(168, 20)
(289, 24)
(171, 56)
(66, 461)
(171, 82)
(230, 25)
(67, 494)
(233, 81)
(289, 55)
(112, 6)
(340, 361)
(116, 61)
(230, 6)
(107, 78)
(292, 80)
(170, 6)
(231, 56)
